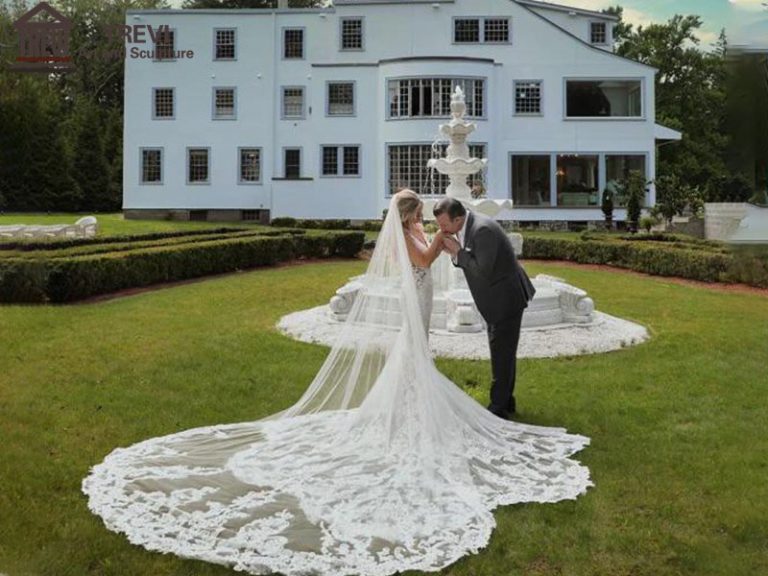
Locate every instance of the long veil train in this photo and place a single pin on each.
(383, 465)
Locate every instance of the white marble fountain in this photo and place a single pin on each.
(561, 319)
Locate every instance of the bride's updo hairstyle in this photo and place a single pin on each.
(408, 203)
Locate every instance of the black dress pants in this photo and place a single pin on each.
(503, 338)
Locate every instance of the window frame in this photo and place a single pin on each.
(233, 116)
(362, 33)
(591, 24)
(154, 102)
(303, 103)
(284, 46)
(240, 180)
(388, 111)
(301, 162)
(550, 200)
(340, 161)
(481, 30)
(155, 58)
(643, 91)
(188, 162)
(216, 45)
(328, 84)
(540, 82)
(160, 149)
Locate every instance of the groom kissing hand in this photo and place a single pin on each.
(500, 288)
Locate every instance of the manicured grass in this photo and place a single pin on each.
(679, 452)
(114, 224)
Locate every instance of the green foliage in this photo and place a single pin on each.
(74, 273)
(607, 205)
(636, 188)
(648, 222)
(729, 189)
(760, 198)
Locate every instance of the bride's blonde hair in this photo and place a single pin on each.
(408, 203)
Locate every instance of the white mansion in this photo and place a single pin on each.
(324, 113)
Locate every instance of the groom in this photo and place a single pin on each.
(499, 285)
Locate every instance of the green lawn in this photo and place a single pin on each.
(679, 450)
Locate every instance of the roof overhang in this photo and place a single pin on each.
(664, 134)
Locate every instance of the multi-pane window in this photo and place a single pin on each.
(352, 34)
(527, 97)
(151, 166)
(293, 43)
(407, 168)
(466, 30)
(250, 165)
(478, 30)
(165, 45)
(341, 160)
(198, 165)
(598, 33)
(608, 97)
(224, 103)
(293, 102)
(225, 44)
(497, 30)
(163, 103)
(341, 98)
(431, 97)
(292, 163)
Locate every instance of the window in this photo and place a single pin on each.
(481, 30)
(431, 97)
(224, 104)
(165, 45)
(351, 33)
(292, 163)
(293, 102)
(341, 160)
(250, 165)
(577, 180)
(617, 169)
(198, 165)
(603, 98)
(497, 30)
(163, 104)
(151, 166)
(341, 98)
(598, 33)
(531, 180)
(406, 168)
(225, 44)
(466, 30)
(527, 97)
(293, 43)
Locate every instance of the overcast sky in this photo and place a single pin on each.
(746, 21)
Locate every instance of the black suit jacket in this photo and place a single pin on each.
(499, 285)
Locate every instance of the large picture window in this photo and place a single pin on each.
(578, 179)
(617, 169)
(531, 181)
(604, 98)
(407, 168)
(431, 97)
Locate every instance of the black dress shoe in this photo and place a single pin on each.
(503, 414)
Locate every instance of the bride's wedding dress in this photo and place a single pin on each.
(384, 465)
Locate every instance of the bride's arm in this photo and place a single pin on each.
(421, 256)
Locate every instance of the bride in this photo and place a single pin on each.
(383, 465)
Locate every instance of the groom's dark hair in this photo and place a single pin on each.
(449, 206)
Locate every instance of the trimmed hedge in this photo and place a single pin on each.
(76, 277)
(655, 258)
(287, 222)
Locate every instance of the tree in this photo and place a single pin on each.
(91, 166)
(636, 188)
(690, 95)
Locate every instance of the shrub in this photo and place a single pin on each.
(760, 198)
(636, 194)
(283, 222)
(607, 205)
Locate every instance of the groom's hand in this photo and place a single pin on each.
(451, 245)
